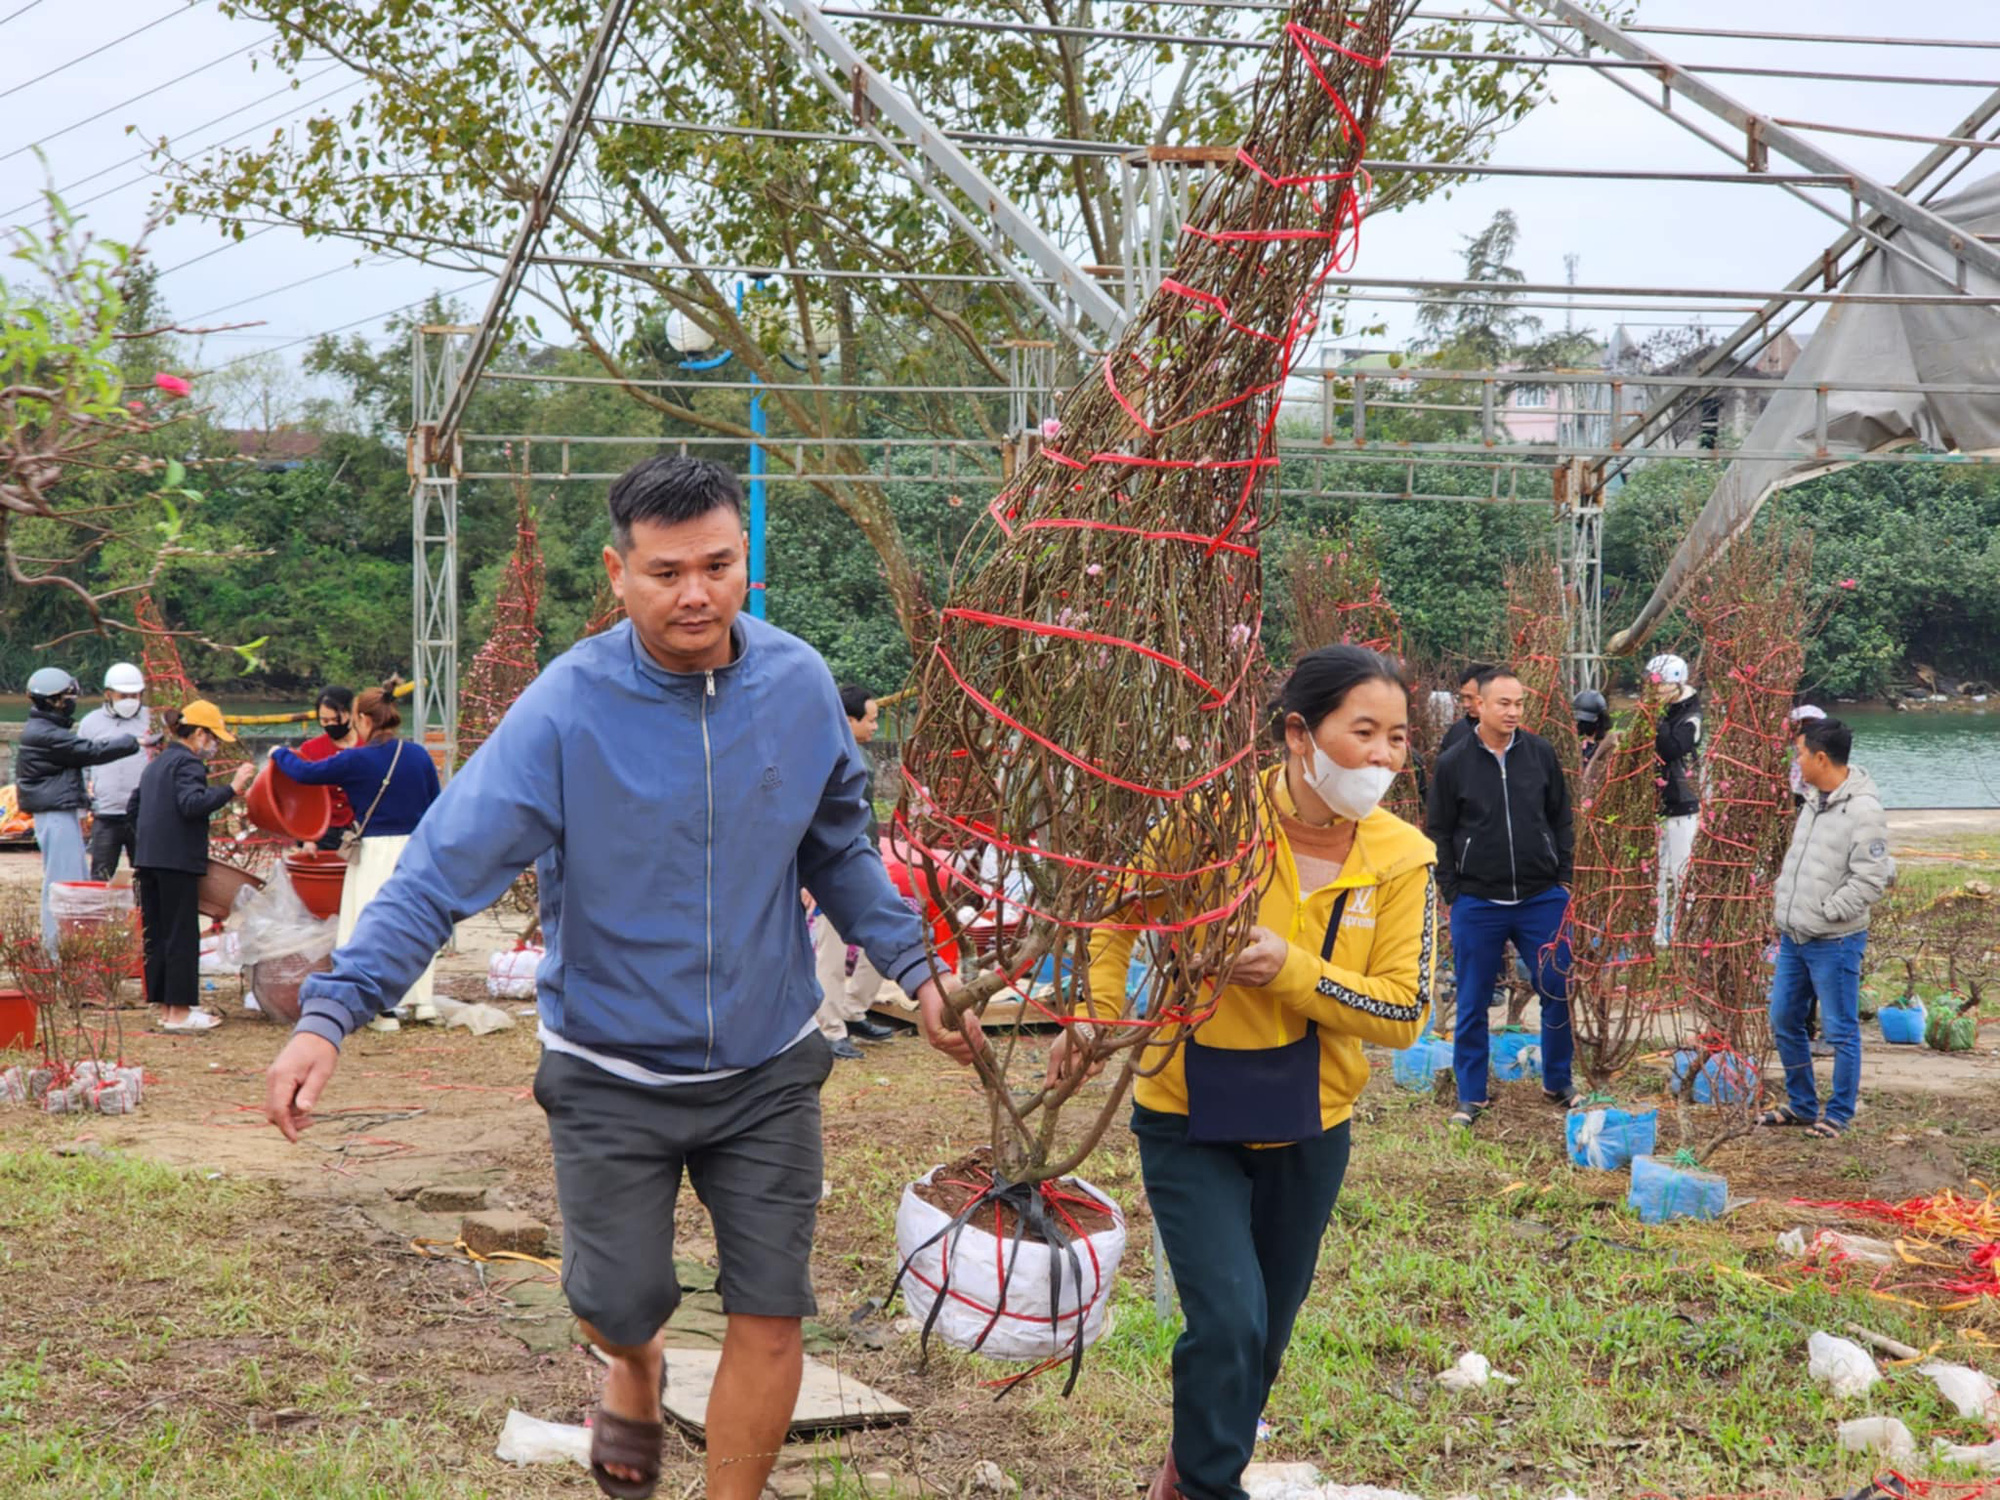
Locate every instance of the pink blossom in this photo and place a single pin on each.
(1093, 570)
(1181, 742)
(1850, 583)
(1238, 634)
(135, 406)
(1051, 427)
(173, 385)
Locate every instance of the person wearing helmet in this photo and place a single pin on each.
(1676, 739)
(1593, 721)
(49, 763)
(113, 784)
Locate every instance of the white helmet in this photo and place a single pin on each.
(1667, 668)
(123, 677)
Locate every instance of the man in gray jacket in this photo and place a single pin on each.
(1835, 871)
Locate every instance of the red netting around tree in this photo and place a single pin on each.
(506, 663)
(1089, 722)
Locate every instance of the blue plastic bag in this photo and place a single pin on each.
(1661, 1191)
(1722, 1080)
(1516, 1054)
(1416, 1067)
(1903, 1024)
(1609, 1138)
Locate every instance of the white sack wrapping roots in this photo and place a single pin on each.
(979, 1284)
(510, 973)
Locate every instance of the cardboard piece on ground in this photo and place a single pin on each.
(828, 1399)
(1004, 1010)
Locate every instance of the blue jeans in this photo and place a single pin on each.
(60, 835)
(1242, 1228)
(1831, 969)
(1479, 933)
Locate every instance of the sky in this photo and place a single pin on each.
(196, 71)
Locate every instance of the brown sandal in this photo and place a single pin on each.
(630, 1444)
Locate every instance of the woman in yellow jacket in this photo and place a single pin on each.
(1243, 1134)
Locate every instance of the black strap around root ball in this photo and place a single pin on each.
(1030, 1211)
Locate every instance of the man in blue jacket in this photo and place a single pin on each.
(675, 781)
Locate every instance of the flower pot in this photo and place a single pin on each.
(216, 895)
(277, 804)
(318, 875)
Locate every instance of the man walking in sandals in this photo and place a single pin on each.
(675, 781)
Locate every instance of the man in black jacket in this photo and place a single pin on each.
(49, 763)
(1468, 707)
(1676, 738)
(1500, 817)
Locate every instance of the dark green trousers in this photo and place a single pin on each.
(1242, 1229)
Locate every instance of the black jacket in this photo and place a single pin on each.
(171, 809)
(1462, 729)
(49, 762)
(1503, 836)
(1676, 740)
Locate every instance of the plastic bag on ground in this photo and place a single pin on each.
(479, 1019)
(1024, 1328)
(1840, 1364)
(1883, 1435)
(1802, 1242)
(1970, 1390)
(1981, 1455)
(221, 954)
(510, 973)
(1473, 1372)
(1607, 1139)
(530, 1440)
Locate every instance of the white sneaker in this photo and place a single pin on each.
(385, 1023)
(197, 1020)
(426, 1013)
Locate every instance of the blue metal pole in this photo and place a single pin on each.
(757, 506)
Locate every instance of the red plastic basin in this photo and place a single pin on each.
(278, 804)
(318, 875)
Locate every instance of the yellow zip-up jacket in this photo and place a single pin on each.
(1376, 987)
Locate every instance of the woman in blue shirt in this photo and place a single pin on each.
(391, 784)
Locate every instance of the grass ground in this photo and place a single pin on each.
(202, 1311)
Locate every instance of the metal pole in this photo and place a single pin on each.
(757, 505)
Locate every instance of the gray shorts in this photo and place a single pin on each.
(750, 1144)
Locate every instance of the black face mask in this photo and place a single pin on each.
(338, 728)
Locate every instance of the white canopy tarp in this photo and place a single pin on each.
(1956, 343)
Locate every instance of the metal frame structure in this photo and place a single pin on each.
(1084, 306)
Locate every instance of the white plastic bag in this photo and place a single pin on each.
(1970, 1390)
(1024, 1329)
(477, 1019)
(530, 1440)
(1883, 1435)
(274, 923)
(510, 974)
(221, 954)
(1473, 1372)
(1840, 1364)
(1982, 1455)
(1801, 1243)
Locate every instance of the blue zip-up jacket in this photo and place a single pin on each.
(671, 819)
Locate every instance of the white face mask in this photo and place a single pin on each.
(126, 708)
(1348, 793)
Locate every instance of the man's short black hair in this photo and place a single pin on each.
(854, 700)
(1487, 675)
(1829, 735)
(668, 491)
(1476, 672)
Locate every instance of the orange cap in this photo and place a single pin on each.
(205, 715)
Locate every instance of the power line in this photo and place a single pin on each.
(19, 13)
(93, 52)
(234, 136)
(128, 103)
(387, 312)
(229, 245)
(274, 291)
